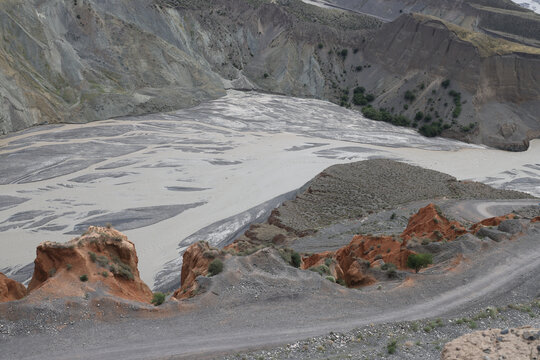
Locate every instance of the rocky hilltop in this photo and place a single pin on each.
(102, 262)
(80, 61)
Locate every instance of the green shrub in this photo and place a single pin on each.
(296, 260)
(370, 97)
(359, 90)
(341, 282)
(103, 261)
(69, 266)
(266, 75)
(122, 270)
(419, 261)
(320, 46)
(331, 278)
(359, 99)
(321, 270)
(93, 256)
(392, 346)
(409, 96)
(328, 262)
(446, 83)
(52, 272)
(83, 278)
(344, 53)
(215, 267)
(158, 299)
(419, 116)
(431, 130)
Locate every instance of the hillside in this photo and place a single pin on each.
(79, 62)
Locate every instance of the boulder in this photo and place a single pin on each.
(517, 344)
(493, 234)
(513, 226)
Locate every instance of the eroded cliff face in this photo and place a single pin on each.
(101, 260)
(10, 289)
(495, 79)
(79, 61)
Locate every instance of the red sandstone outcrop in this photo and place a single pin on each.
(101, 258)
(493, 221)
(429, 223)
(536, 219)
(351, 262)
(10, 289)
(196, 260)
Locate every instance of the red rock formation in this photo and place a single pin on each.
(316, 259)
(10, 289)
(429, 223)
(105, 256)
(536, 219)
(494, 221)
(196, 260)
(351, 262)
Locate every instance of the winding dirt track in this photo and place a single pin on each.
(503, 273)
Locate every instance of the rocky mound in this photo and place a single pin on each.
(196, 262)
(262, 276)
(101, 260)
(351, 191)
(516, 344)
(10, 289)
(493, 221)
(429, 223)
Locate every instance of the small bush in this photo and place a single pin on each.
(321, 270)
(409, 96)
(328, 262)
(102, 261)
(122, 270)
(320, 46)
(215, 267)
(419, 261)
(69, 266)
(93, 256)
(392, 346)
(266, 75)
(296, 260)
(359, 90)
(331, 278)
(158, 299)
(83, 278)
(344, 53)
(105, 274)
(393, 216)
(446, 83)
(341, 282)
(52, 271)
(108, 225)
